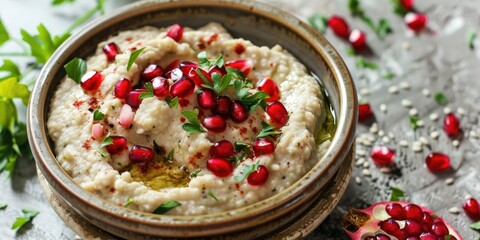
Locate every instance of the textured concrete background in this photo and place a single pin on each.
(438, 60)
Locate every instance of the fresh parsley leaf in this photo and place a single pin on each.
(11, 68)
(354, 7)
(351, 52)
(267, 130)
(165, 207)
(206, 82)
(101, 6)
(4, 36)
(97, 115)
(242, 146)
(388, 75)
(3, 206)
(212, 195)
(441, 99)
(448, 237)
(363, 63)
(251, 101)
(475, 225)
(383, 28)
(194, 125)
(172, 102)
(413, 122)
(59, 2)
(149, 94)
(28, 215)
(246, 170)
(75, 69)
(133, 56)
(236, 73)
(195, 173)
(319, 22)
(158, 150)
(10, 89)
(206, 64)
(398, 7)
(396, 194)
(220, 84)
(128, 202)
(471, 35)
(105, 142)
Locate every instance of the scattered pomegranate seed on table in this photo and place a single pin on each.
(416, 21)
(339, 26)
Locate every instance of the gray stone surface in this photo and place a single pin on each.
(438, 60)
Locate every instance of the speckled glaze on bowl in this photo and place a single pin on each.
(262, 24)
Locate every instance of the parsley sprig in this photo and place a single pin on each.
(396, 194)
(193, 126)
(133, 56)
(206, 64)
(251, 101)
(167, 206)
(267, 130)
(246, 170)
(28, 215)
(105, 142)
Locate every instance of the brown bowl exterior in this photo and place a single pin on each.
(263, 25)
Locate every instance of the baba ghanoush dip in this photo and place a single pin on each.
(186, 122)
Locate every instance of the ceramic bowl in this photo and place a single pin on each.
(261, 23)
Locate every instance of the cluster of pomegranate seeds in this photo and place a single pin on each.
(111, 50)
(472, 208)
(437, 162)
(91, 81)
(340, 27)
(364, 112)
(451, 125)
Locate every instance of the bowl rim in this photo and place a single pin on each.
(343, 138)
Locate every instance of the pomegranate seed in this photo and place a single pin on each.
(220, 167)
(175, 32)
(141, 154)
(437, 162)
(278, 114)
(396, 211)
(150, 72)
(160, 87)
(182, 88)
(244, 66)
(382, 237)
(364, 112)
(413, 228)
(133, 98)
(390, 226)
(118, 145)
(401, 234)
(451, 125)
(224, 106)
(358, 40)
(111, 51)
(370, 238)
(239, 112)
(415, 21)
(222, 149)
(222, 71)
(126, 116)
(440, 229)
(98, 131)
(270, 87)
(339, 26)
(91, 81)
(258, 177)
(382, 155)
(214, 123)
(263, 146)
(414, 212)
(428, 236)
(407, 4)
(189, 70)
(427, 220)
(472, 208)
(207, 99)
(174, 64)
(122, 88)
(413, 238)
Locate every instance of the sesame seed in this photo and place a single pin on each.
(364, 92)
(406, 45)
(360, 162)
(434, 134)
(391, 135)
(413, 112)
(385, 139)
(404, 85)
(455, 143)
(361, 152)
(366, 172)
(454, 210)
(423, 140)
(449, 181)
(366, 164)
(374, 129)
(383, 108)
(381, 133)
(447, 110)
(406, 103)
(420, 123)
(461, 111)
(393, 89)
(426, 92)
(358, 180)
(473, 134)
(403, 143)
(434, 116)
(367, 143)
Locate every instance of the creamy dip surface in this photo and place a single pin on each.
(178, 171)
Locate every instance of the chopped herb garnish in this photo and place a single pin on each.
(3, 206)
(75, 69)
(242, 146)
(413, 122)
(211, 194)
(106, 141)
(396, 194)
(157, 148)
(398, 8)
(97, 115)
(267, 130)
(194, 125)
(170, 155)
(128, 202)
(388, 75)
(441, 99)
(475, 225)
(221, 83)
(354, 7)
(251, 101)
(133, 56)
(471, 39)
(149, 93)
(165, 207)
(59, 2)
(206, 64)
(195, 173)
(246, 170)
(381, 29)
(237, 74)
(362, 63)
(28, 215)
(172, 102)
(319, 22)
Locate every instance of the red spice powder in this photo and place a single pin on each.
(77, 103)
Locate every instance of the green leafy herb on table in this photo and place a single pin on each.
(398, 7)
(396, 194)
(382, 29)
(471, 36)
(11, 70)
(413, 122)
(475, 225)
(441, 99)
(28, 215)
(319, 22)
(388, 75)
(3, 206)
(363, 63)
(43, 45)
(165, 207)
